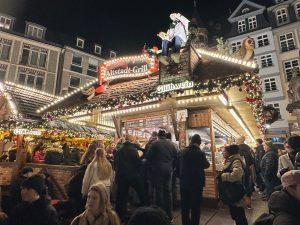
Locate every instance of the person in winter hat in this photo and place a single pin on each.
(285, 204)
(35, 208)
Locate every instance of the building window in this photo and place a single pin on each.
(5, 22)
(287, 42)
(31, 80)
(34, 57)
(297, 9)
(263, 40)
(80, 43)
(270, 84)
(2, 74)
(98, 49)
(93, 67)
(35, 31)
(277, 107)
(235, 46)
(112, 54)
(76, 64)
(281, 15)
(74, 83)
(241, 26)
(266, 61)
(291, 68)
(252, 22)
(5, 51)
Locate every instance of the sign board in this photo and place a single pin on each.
(27, 132)
(129, 67)
(149, 122)
(173, 87)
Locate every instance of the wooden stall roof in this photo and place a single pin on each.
(205, 67)
(27, 100)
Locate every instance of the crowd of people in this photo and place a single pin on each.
(110, 178)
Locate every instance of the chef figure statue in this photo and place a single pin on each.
(177, 34)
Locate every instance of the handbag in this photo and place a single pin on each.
(230, 192)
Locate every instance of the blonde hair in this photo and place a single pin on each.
(105, 169)
(105, 208)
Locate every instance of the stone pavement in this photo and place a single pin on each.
(221, 216)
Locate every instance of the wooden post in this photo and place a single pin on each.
(117, 122)
(174, 122)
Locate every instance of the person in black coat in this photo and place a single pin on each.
(285, 204)
(35, 208)
(15, 186)
(192, 163)
(269, 167)
(160, 162)
(128, 167)
(259, 153)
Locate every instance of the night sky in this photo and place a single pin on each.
(122, 25)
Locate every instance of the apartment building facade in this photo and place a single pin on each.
(27, 58)
(284, 17)
(249, 20)
(52, 62)
(80, 61)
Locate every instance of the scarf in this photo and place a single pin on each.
(87, 218)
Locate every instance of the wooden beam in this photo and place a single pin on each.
(174, 122)
(117, 123)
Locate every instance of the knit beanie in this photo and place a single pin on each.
(35, 182)
(291, 178)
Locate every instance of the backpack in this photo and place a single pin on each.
(265, 219)
(231, 192)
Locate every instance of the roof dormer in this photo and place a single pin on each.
(35, 30)
(80, 42)
(6, 21)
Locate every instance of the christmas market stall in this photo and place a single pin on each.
(28, 139)
(215, 95)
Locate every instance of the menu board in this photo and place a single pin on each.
(158, 121)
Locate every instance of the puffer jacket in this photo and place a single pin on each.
(269, 165)
(235, 161)
(285, 207)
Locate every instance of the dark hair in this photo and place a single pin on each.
(196, 139)
(169, 135)
(259, 141)
(149, 216)
(26, 169)
(294, 143)
(161, 133)
(35, 182)
(232, 149)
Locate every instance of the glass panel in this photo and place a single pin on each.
(74, 81)
(42, 61)
(5, 52)
(22, 78)
(76, 60)
(34, 58)
(2, 75)
(40, 33)
(30, 30)
(25, 56)
(30, 80)
(39, 83)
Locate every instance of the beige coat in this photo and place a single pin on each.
(284, 162)
(91, 177)
(236, 167)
